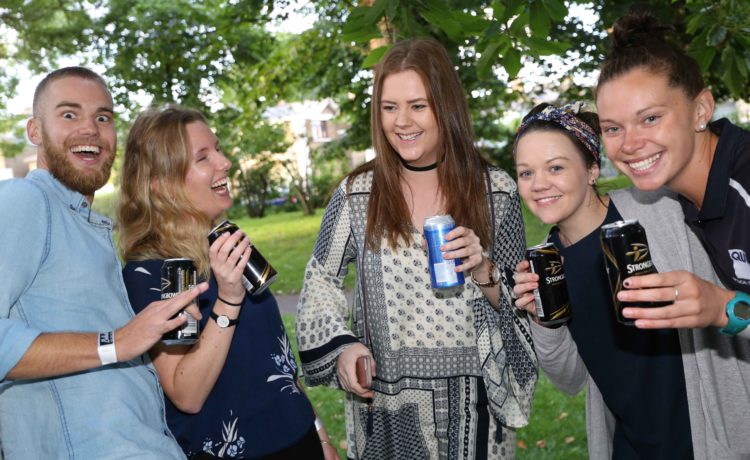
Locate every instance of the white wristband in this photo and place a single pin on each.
(318, 423)
(107, 353)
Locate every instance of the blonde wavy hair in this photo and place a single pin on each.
(156, 218)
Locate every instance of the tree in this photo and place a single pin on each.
(492, 40)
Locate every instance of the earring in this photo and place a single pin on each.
(702, 127)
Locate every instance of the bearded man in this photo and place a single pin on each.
(74, 380)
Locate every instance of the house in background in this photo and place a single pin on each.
(308, 126)
(18, 165)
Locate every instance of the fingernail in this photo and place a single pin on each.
(627, 312)
(626, 283)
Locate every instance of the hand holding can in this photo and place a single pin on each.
(552, 305)
(626, 253)
(442, 272)
(179, 275)
(257, 274)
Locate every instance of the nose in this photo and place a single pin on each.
(632, 141)
(403, 118)
(223, 162)
(88, 126)
(539, 182)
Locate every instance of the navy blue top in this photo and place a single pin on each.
(639, 372)
(255, 407)
(723, 222)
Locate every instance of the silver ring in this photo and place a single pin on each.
(676, 294)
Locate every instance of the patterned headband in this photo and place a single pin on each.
(565, 116)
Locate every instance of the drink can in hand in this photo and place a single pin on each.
(551, 297)
(626, 254)
(258, 274)
(179, 275)
(442, 272)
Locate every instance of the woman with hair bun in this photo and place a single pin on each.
(636, 403)
(656, 113)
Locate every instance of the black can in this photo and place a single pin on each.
(258, 274)
(179, 275)
(551, 297)
(626, 254)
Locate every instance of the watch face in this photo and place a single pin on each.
(496, 274)
(742, 310)
(222, 321)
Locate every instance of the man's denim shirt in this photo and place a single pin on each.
(59, 272)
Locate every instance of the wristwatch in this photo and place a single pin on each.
(738, 312)
(494, 276)
(223, 321)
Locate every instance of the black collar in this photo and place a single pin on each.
(418, 168)
(717, 186)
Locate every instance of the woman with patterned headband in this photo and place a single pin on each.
(636, 402)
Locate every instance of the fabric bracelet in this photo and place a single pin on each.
(106, 348)
(231, 304)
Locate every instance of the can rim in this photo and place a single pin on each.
(619, 224)
(542, 246)
(439, 219)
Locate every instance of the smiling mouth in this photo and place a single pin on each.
(409, 136)
(86, 151)
(548, 199)
(220, 184)
(644, 164)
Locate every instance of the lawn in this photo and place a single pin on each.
(557, 429)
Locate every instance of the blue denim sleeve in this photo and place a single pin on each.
(23, 246)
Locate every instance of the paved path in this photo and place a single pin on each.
(288, 302)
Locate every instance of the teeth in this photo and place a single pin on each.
(547, 199)
(85, 149)
(220, 183)
(408, 137)
(644, 164)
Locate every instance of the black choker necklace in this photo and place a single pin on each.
(419, 168)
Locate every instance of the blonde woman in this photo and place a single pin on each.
(234, 393)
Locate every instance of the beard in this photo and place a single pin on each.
(86, 181)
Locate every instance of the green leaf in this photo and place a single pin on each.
(513, 8)
(742, 67)
(498, 9)
(375, 12)
(704, 55)
(440, 16)
(718, 34)
(695, 22)
(358, 28)
(538, 19)
(374, 56)
(556, 9)
(519, 23)
(488, 59)
(512, 62)
(541, 46)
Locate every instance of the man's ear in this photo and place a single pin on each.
(34, 131)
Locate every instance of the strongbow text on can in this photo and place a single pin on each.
(258, 274)
(626, 254)
(178, 275)
(551, 297)
(442, 272)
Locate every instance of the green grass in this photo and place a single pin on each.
(286, 241)
(557, 429)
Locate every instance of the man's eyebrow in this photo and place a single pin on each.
(76, 105)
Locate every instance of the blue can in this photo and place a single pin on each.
(442, 272)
